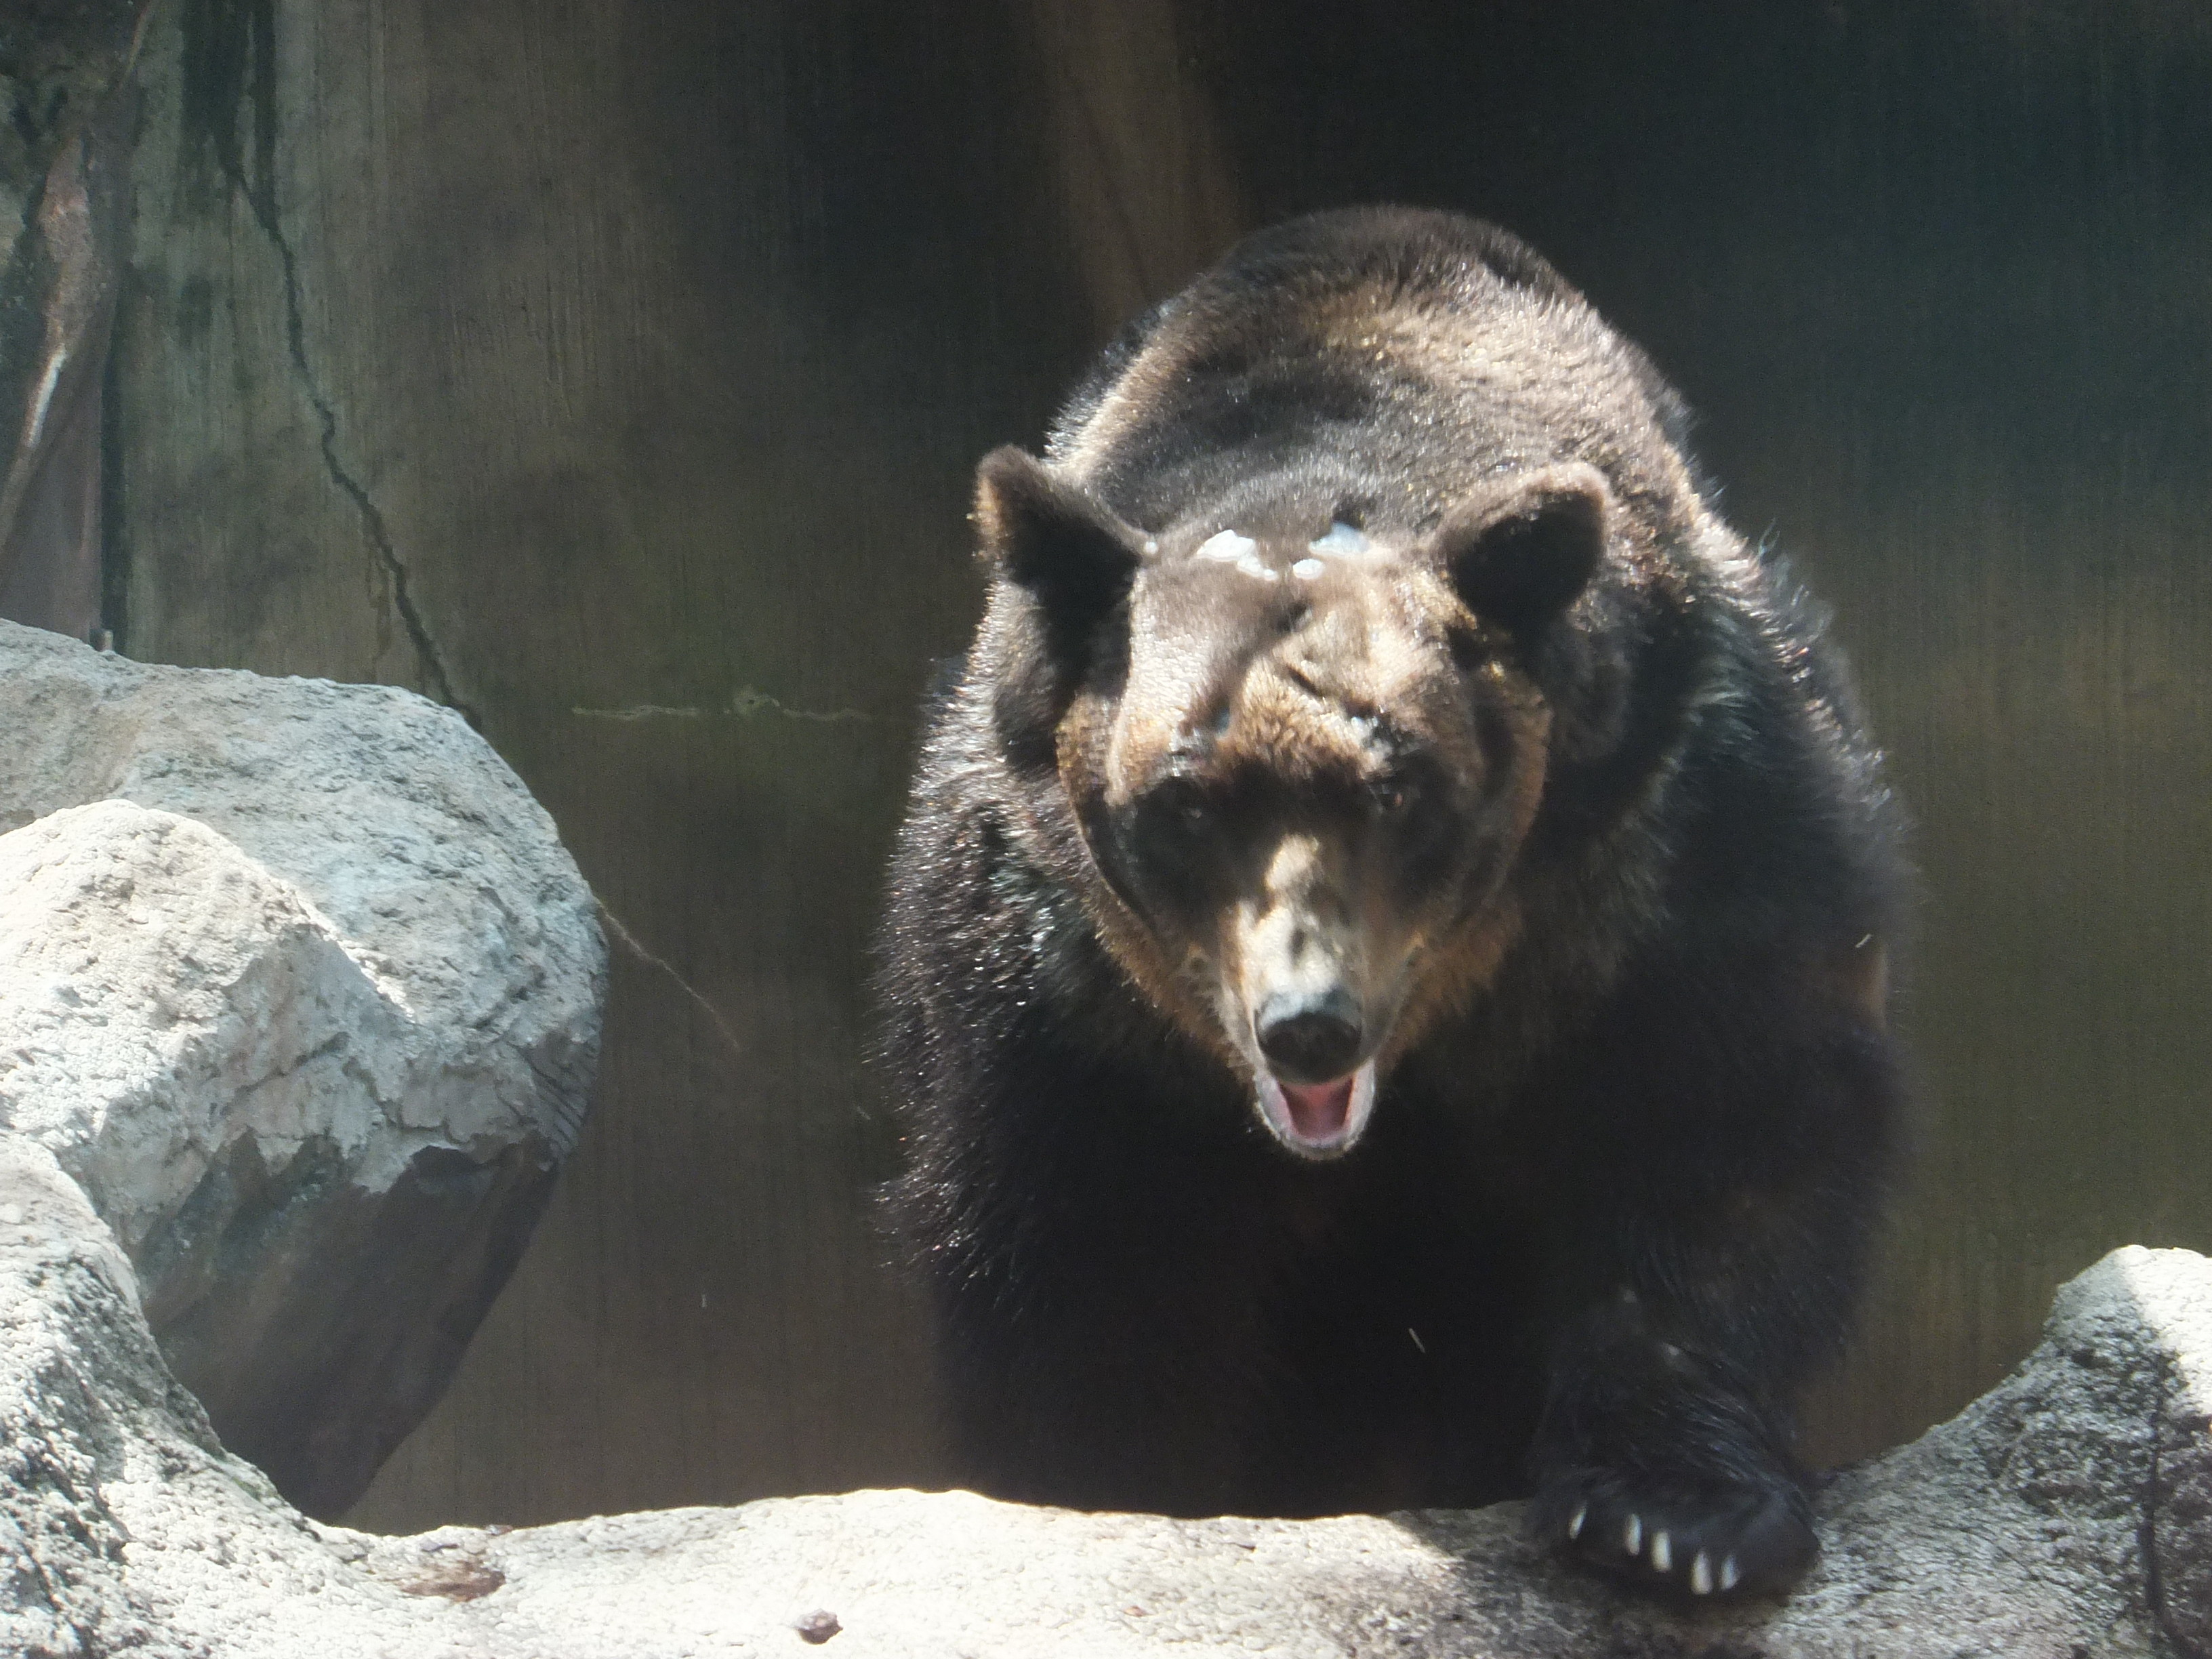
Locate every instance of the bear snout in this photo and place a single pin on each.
(1309, 1037)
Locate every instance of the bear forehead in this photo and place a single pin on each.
(1325, 680)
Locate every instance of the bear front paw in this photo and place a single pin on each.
(1716, 1540)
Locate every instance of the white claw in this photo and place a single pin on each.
(1631, 1538)
(1663, 1550)
(1731, 1574)
(1701, 1575)
(1575, 1520)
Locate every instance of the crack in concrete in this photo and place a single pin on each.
(372, 517)
(250, 32)
(638, 949)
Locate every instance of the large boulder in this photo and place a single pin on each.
(298, 982)
(2063, 1514)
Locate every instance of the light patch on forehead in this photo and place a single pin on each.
(1237, 550)
(1340, 543)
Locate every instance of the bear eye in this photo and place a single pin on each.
(1394, 796)
(1182, 807)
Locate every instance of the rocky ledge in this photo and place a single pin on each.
(2068, 1512)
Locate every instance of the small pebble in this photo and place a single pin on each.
(817, 1626)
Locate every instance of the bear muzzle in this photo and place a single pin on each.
(1311, 1042)
(1295, 987)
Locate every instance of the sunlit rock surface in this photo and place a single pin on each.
(2063, 1513)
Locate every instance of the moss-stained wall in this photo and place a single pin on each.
(616, 371)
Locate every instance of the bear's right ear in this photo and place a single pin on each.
(1055, 540)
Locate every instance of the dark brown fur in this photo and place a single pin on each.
(1366, 684)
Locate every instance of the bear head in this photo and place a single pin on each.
(1302, 746)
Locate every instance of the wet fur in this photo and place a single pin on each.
(1615, 1203)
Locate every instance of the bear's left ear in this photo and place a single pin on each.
(1053, 539)
(1518, 556)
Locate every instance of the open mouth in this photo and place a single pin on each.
(1318, 1119)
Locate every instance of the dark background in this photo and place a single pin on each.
(616, 372)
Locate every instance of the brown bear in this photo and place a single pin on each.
(1385, 973)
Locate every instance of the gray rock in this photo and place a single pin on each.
(2026, 1528)
(310, 1008)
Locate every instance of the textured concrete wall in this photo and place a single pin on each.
(615, 372)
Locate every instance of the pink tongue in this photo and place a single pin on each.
(1318, 1111)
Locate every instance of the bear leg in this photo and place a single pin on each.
(1732, 1153)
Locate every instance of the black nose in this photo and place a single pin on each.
(1309, 1038)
